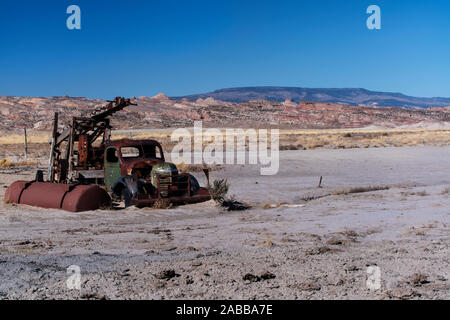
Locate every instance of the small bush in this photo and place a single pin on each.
(162, 204)
(218, 192)
(5, 163)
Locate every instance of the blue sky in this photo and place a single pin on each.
(134, 48)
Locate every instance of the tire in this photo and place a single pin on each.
(195, 186)
(126, 188)
(126, 197)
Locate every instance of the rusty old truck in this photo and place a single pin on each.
(88, 170)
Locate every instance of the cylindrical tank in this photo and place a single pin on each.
(68, 197)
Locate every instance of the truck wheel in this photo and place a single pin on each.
(194, 184)
(126, 197)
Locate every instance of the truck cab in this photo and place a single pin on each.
(130, 157)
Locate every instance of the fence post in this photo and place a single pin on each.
(26, 143)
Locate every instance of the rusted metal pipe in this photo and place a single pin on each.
(68, 197)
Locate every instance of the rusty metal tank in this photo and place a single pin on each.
(68, 197)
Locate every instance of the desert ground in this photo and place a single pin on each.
(387, 207)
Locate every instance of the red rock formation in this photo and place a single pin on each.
(161, 111)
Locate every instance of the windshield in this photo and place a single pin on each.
(145, 151)
(131, 152)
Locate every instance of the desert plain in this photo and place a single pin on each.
(386, 207)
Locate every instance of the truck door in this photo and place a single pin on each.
(112, 167)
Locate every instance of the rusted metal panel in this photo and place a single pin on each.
(201, 196)
(83, 150)
(92, 174)
(112, 167)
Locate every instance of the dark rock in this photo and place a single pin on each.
(251, 277)
(167, 274)
(267, 275)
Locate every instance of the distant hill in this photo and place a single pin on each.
(347, 96)
(161, 111)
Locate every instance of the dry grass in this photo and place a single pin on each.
(415, 193)
(190, 167)
(301, 139)
(420, 232)
(162, 204)
(418, 279)
(359, 190)
(268, 243)
(345, 191)
(197, 167)
(348, 138)
(18, 138)
(35, 136)
(273, 205)
(7, 200)
(6, 163)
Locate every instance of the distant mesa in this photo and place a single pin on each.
(345, 96)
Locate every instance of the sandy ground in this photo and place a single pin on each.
(306, 248)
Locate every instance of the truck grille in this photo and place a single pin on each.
(165, 181)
